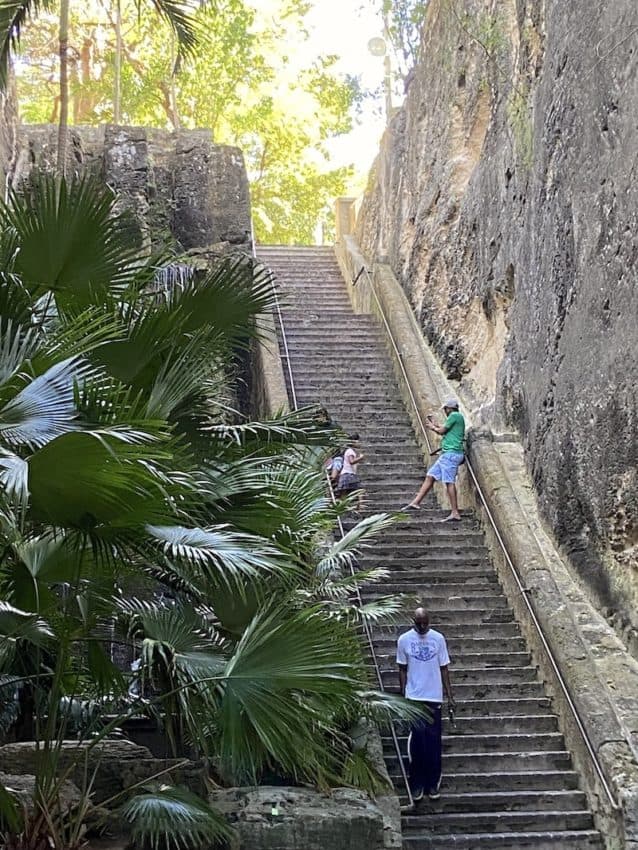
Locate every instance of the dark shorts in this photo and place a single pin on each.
(348, 483)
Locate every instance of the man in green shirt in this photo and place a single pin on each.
(451, 457)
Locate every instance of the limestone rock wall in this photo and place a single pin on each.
(179, 186)
(505, 197)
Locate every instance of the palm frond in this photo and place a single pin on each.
(220, 553)
(13, 16)
(184, 372)
(45, 408)
(384, 708)
(16, 624)
(180, 14)
(344, 551)
(14, 477)
(84, 479)
(17, 344)
(301, 427)
(228, 298)
(173, 818)
(288, 678)
(71, 241)
(360, 772)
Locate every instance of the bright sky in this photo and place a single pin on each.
(344, 27)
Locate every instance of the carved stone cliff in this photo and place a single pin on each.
(505, 198)
(179, 186)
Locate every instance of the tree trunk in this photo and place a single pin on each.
(173, 85)
(64, 86)
(117, 93)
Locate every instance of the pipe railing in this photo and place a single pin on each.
(501, 543)
(366, 625)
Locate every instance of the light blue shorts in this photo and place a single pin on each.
(446, 467)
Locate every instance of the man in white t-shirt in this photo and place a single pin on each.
(423, 662)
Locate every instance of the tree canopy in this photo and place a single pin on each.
(246, 79)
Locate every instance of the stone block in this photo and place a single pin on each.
(118, 764)
(279, 818)
(212, 201)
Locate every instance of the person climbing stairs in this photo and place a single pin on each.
(508, 780)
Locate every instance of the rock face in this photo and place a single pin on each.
(118, 765)
(505, 198)
(295, 818)
(179, 186)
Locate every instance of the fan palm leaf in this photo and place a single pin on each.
(174, 818)
(17, 626)
(17, 344)
(289, 676)
(219, 553)
(83, 479)
(45, 408)
(14, 477)
(344, 551)
(229, 298)
(71, 241)
(185, 370)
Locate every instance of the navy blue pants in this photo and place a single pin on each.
(424, 752)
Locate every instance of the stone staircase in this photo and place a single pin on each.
(508, 780)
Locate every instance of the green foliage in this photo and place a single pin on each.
(167, 818)
(404, 20)
(14, 15)
(238, 81)
(518, 113)
(203, 548)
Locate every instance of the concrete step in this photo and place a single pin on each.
(452, 631)
(505, 801)
(478, 676)
(539, 780)
(467, 645)
(478, 601)
(495, 689)
(466, 660)
(562, 840)
(514, 724)
(484, 743)
(444, 823)
(497, 762)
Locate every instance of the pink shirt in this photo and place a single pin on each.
(349, 468)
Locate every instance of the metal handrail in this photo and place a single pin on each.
(366, 625)
(284, 340)
(522, 590)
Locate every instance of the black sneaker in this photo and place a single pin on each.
(434, 795)
(417, 795)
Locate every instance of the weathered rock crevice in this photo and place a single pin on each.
(505, 199)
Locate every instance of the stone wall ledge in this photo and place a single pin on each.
(268, 393)
(601, 677)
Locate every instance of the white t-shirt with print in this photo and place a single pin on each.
(424, 656)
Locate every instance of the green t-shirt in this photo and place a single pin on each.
(454, 433)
